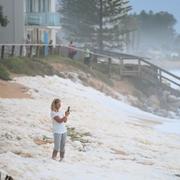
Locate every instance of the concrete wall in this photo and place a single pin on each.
(14, 31)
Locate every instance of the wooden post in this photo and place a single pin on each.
(160, 76)
(156, 72)
(95, 58)
(30, 53)
(41, 50)
(44, 49)
(37, 50)
(53, 51)
(139, 68)
(59, 50)
(109, 67)
(21, 51)
(50, 49)
(121, 67)
(12, 50)
(2, 51)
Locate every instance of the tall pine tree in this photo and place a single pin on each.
(95, 21)
(3, 19)
(113, 14)
(79, 19)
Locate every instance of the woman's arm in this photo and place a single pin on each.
(60, 120)
(66, 115)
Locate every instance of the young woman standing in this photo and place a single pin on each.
(59, 119)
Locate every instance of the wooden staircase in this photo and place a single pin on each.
(135, 66)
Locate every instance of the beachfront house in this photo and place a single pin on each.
(38, 18)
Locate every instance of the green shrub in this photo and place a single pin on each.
(42, 66)
(4, 74)
(28, 66)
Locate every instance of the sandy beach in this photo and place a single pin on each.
(117, 141)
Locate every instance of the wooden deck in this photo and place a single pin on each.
(136, 66)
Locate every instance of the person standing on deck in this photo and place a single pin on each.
(87, 56)
(71, 50)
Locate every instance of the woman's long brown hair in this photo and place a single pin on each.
(53, 105)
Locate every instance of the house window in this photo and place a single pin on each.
(46, 5)
(35, 5)
(39, 5)
(29, 6)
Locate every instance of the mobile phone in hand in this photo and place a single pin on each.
(68, 109)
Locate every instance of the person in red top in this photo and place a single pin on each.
(71, 51)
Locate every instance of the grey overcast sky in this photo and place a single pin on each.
(172, 6)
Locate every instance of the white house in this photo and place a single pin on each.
(41, 20)
(38, 18)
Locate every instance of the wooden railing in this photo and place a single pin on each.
(141, 66)
(144, 67)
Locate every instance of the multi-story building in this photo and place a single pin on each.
(41, 20)
(38, 18)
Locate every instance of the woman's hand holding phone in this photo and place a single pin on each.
(67, 112)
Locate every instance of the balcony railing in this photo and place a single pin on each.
(42, 19)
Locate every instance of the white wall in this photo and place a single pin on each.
(53, 5)
(14, 31)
